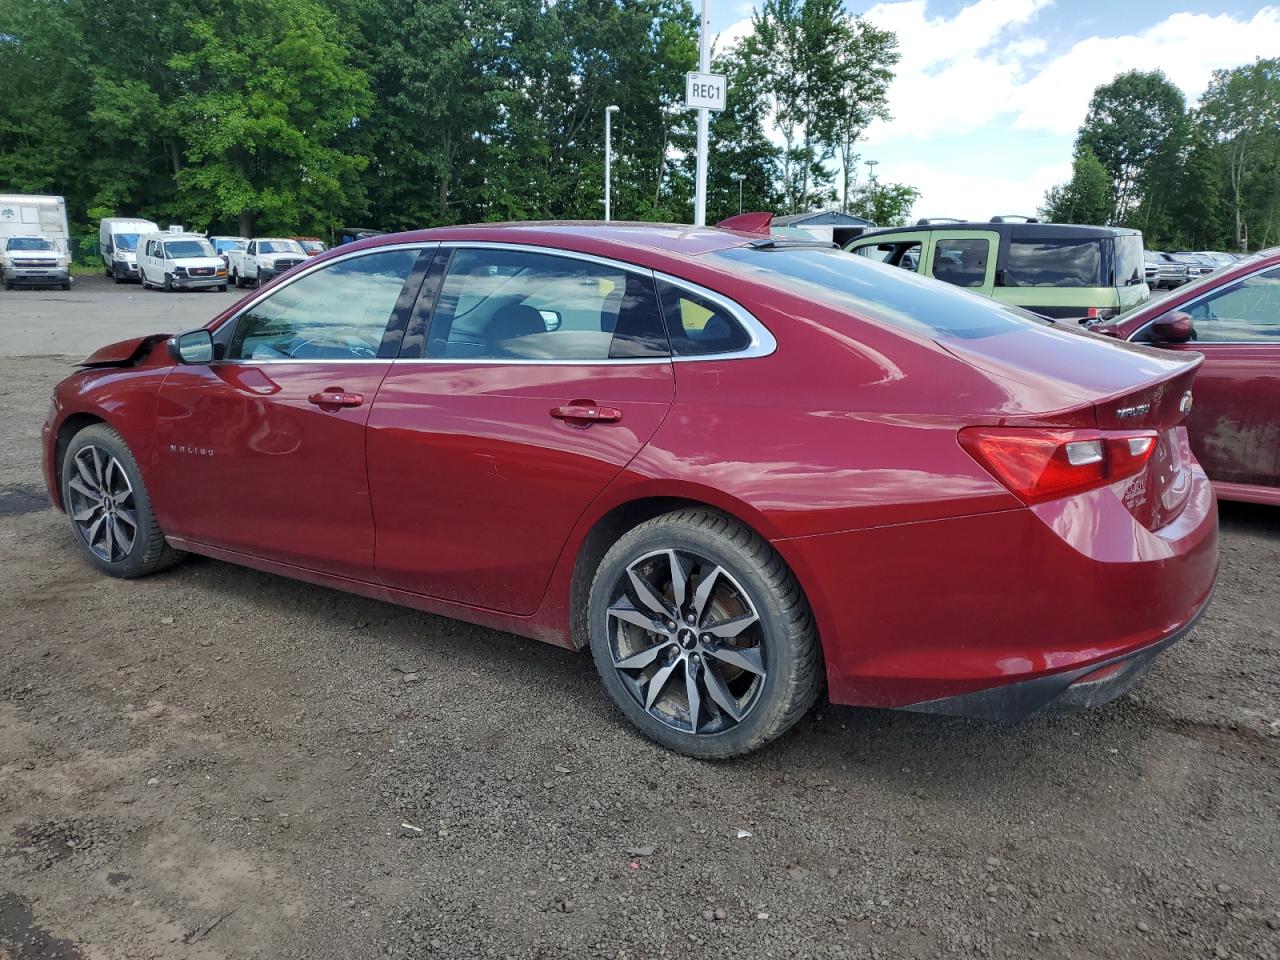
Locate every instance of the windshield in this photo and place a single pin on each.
(30, 243)
(223, 245)
(278, 246)
(125, 241)
(862, 287)
(179, 249)
(312, 246)
(1055, 263)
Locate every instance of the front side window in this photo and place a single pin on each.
(514, 304)
(1247, 311)
(339, 312)
(182, 249)
(1055, 263)
(961, 262)
(901, 253)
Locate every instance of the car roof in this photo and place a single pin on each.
(1042, 231)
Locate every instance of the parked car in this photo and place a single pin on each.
(223, 245)
(179, 261)
(263, 259)
(1232, 318)
(1218, 258)
(118, 245)
(1198, 265)
(1052, 269)
(1168, 272)
(732, 466)
(34, 262)
(311, 246)
(33, 215)
(352, 234)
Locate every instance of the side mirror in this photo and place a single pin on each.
(1173, 327)
(192, 347)
(551, 318)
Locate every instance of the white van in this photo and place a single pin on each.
(118, 243)
(28, 215)
(179, 260)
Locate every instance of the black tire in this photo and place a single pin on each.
(235, 279)
(168, 283)
(784, 634)
(8, 284)
(111, 272)
(222, 288)
(148, 552)
(66, 284)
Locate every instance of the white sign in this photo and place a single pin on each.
(704, 91)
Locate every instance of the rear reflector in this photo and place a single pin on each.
(1039, 464)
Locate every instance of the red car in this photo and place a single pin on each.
(739, 468)
(1232, 318)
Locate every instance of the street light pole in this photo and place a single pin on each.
(871, 175)
(739, 177)
(700, 180)
(608, 152)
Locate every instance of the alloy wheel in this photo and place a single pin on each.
(101, 504)
(687, 641)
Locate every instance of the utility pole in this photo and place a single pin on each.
(700, 181)
(739, 177)
(608, 151)
(871, 175)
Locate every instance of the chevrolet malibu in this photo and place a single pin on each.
(739, 469)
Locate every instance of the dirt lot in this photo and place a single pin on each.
(218, 763)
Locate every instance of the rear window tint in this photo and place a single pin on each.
(1056, 263)
(892, 296)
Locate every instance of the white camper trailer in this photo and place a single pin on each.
(27, 215)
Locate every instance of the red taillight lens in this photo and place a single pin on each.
(1039, 465)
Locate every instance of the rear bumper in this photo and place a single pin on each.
(998, 614)
(1080, 689)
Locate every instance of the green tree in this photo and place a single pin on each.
(885, 204)
(739, 145)
(1086, 197)
(1134, 122)
(269, 94)
(1240, 111)
(869, 55)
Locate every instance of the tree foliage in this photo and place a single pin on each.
(1087, 197)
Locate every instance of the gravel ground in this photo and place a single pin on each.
(216, 762)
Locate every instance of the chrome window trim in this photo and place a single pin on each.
(762, 342)
(1132, 338)
(307, 270)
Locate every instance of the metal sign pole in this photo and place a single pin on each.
(704, 65)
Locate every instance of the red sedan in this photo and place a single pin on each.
(1232, 318)
(738, 468)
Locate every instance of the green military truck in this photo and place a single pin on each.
(1053, 269)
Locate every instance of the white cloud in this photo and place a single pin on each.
(948, 193)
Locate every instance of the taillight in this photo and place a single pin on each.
(1041, 464)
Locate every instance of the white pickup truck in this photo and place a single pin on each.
(263, 259)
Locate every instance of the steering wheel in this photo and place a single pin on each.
(358, 350)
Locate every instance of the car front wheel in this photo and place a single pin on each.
(110, 511)
(702, 636)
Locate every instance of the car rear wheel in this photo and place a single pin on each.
(702, 635)
(110, 511)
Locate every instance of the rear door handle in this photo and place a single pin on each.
(336, 398)
(583, 413)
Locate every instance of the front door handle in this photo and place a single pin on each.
(336, 398)
(583, 412)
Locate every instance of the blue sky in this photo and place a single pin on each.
(989, 93)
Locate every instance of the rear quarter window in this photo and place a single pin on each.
(1056, 263)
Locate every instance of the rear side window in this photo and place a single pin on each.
(902, 253)
(516, 305)
(895, 298)
(961, 262)
(1130, 263)
(698, 327)
(1055, 263)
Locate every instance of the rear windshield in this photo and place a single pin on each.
(1056, 263)
(897, 297)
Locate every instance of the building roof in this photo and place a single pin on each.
(821, 218)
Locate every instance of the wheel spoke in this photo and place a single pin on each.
(86, 473)
(695, 698)
(110, 528)
(638, 661)
(745, 658)
(728, 629)
(658, 682)
(703, 593)
(97, 468)
(108, 474)
(120, 496)
(127, 516)
(92, 533)
(679, 580)
(85, 513)
(647, 595)
(124, 542)
(719, 692)
(78, 485)
(630, 614)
